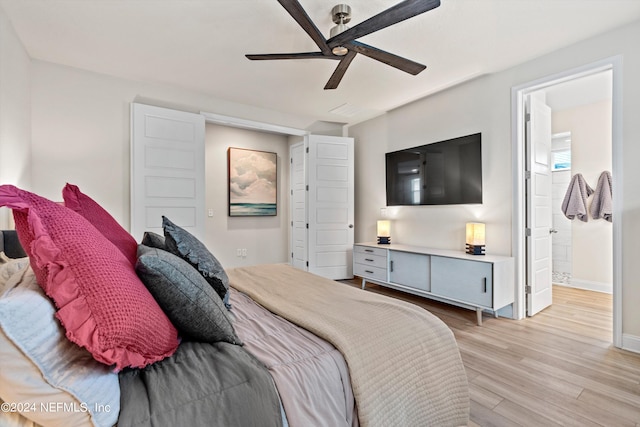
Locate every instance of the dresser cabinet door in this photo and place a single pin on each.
(409, 269)
(462, 280)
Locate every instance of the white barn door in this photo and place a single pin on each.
(167, 170)
(331, 206)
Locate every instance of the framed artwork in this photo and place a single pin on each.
(253, 182)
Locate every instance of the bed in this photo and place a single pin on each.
(288, 347)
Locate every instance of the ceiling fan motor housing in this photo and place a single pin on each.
(341, 13)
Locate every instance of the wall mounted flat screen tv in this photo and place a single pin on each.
(442, 173)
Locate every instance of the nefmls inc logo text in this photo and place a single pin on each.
(54, 407)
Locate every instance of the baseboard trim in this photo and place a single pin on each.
(631, 343)
(588, 285)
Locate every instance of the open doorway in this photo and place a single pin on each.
(607, 69)
(581, 123)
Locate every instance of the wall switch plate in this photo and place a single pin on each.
(210, 213)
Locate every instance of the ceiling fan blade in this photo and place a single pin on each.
(298, 13)
(338, 73)
(302, 55)
(395, 61)
(403, 10)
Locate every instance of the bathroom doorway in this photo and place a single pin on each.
(587, 234)
(582, 251)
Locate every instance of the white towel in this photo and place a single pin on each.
(575, 201)
(602, 204)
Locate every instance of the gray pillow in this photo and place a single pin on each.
(183, 244)
(185, 296)
(153, 240)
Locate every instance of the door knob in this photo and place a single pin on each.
(350, 225)
(552, 231)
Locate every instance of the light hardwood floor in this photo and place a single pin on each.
(557, 368)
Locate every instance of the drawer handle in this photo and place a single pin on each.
(368, 259)
(391, 265)
(484, 281)
(368, 271)
(369, 250)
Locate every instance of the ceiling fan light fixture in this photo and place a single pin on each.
(340, 51)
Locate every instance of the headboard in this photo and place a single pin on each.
(10, 244)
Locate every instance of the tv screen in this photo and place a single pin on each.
(442, 173)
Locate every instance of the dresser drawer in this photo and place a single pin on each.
(369, 272)
(370, 250)
(370, 259)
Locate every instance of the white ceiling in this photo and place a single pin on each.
(200, 45)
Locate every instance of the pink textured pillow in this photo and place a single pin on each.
(102, 304)
(79, 202)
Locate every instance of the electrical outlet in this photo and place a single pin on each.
(238, 252)
(210, 213)
(244, 252)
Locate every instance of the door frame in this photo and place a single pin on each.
(518, 159)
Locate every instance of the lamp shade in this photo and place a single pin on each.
(475, 233)
(384, 228)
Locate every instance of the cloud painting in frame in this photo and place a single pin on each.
(253, 182)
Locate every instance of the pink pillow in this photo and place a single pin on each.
(102, 304)
(79, 202)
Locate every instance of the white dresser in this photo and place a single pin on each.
(479, 282)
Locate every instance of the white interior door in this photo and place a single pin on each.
(539, 201)
(298, 206)
(167, 170)
(331, 206)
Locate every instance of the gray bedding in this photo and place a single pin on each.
(10, 245)
(311, 374)
(218, 384)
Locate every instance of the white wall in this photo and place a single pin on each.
(264, 238)
(592, 241)
(15, 126)
(484, 105)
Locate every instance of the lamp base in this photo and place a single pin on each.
(475, 249)
(384, 240)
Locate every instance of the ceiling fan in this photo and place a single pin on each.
(342, 44)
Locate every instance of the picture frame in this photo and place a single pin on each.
(252, 182)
